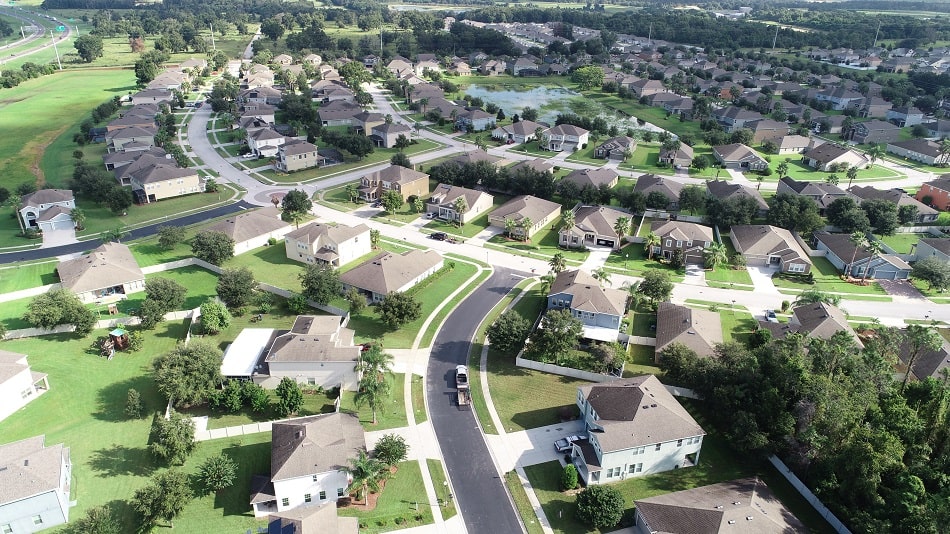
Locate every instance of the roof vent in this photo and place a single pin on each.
(298, 434)
(737, 503)
(748, 518)
(645, 406)
(653, 406)
(26, 463)
(732, 521)
(719, 507)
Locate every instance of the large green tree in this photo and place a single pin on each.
(217, 473)
(600, 506)
(657, 286)
(236, 287)
(366, 473)
(172, 439)
(398, 308)
(556, 337)
(60, 307)
(794, 212)
(89, 47)
(290, 395)
(934, 271)
(295, 201)
(163, 498)
(212, 247)
(508, 332)
(188, 374)
(320, 283)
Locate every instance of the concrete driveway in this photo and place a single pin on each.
(762, 279)
(901, 288)
(55, 238)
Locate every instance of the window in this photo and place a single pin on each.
(669, 243)
(307, 497)
(679, 243)
(314, 478)
(796, 268)
(285, 501)
(636, 468)
(339, 492)
(311, 381)
(638, 450)
(26, 393)
(613, 472)
(658, 446)
(323, 495)
(37, 520)
(6, 529)
(679, 443)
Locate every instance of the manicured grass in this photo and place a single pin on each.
(43, 109)
(403, 493)
(902, 243)
(201, 284)
(729, 275)
(10, 234)
(441, 487)
(544, 244)
(11, 313)
(315, 402)
(450, 306)
(418, 394)
(632, 260)
(100, 218)
(392, 416)
(586, 156)
(531, 147)
(640, 361)
(471, 228)
(26, 275)
(644, 321)
(800, 171)
(271, 265)
(644, 158)
(520, 497)
(737, 325)
(379, 155)
(827, 278)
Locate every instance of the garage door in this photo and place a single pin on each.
(63, 225)
(605, 242)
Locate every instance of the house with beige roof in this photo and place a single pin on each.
(252, 228)
(296, 155)
(265, 142)
(163, 179)
(648, 183)
(318, 350)
(744, 505)
(739, 156)
(537, 211)
(634, 427)
(444, 198)
(35, 482)
(18, 383)
(681, 157)
(689, 238)
(697, 329)
(770, 246)
(725, 190)
(593, 178)
(47, 209)
(826, 156)
(566, 137)
(925, 213)
(818, 320)
(334, 245)
(593, 226)
(390, 272)
(518, 132)
(616, 148)
(117, 139)
(386, 134)
(599, 308)
(537, 164)
(406, 182)
(109, 272)
(309, 461)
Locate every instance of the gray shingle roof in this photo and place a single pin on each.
(389, 271)
(523, 206)
(314, 444)
(592, 177)
(28, 467)
(46, 196)
(250, 224)
(314, 339)
(699, 330)
(109, 265)
(587, 293)
(767, 240)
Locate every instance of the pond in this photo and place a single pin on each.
(549, 101)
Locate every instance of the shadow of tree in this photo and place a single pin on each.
(251, 460)
(112, 398)
(121, 460)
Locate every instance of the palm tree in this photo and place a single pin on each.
(366, 473)
(557, 263)
(759, 178)
(875, 152)
(622, 227)
(567, 219)
(852, 174)
(295, 217)
(509, 226)
(480, 142)
(875, 248)
(944, 150)
(526, 224)
(782, 169)
(373, 391)
(374, 238)
(460, 206)
(858, 239)
(832, 179)
(546, 281)
(15, 201)
(634, 296)
(715, 255)
(423, 102)
(79, 217)
(538, 134)
(601, 275)
(375, 361)
(652, 240)
(352, 192)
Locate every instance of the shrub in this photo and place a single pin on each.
(272, 241)
(786, 305)
(569, 477)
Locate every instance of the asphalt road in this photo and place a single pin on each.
(145, 231)
(480, 493)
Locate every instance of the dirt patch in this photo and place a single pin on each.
(33, 150)
(372, 499)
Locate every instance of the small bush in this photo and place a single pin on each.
(569, 477)
(786, 305)
(400, 520)
(419, 517)
(272, 241)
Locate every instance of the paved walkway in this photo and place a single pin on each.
(762, 280)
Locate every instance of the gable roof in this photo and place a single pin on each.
(389, 271)
(897, 196)
(736, 152)
(592, 177)
(937, 243)
(537, 164)
(821, 320)
(648, 183)
(314, 444)
(28, 467)
(638, 411)
(523, 206)
(823, 194)
(828, 152)
(11, 364)
(767, 240)
(315, 232)
(699, 330)
(840, 245)
(46, 196)
(723, 190)
(587, 293)
(319, 519)
(446, 194)
(250, 224)
(682, 230)
(596, 219)
(109, 265)
(314, 338)
(744, 506)
(396, 174)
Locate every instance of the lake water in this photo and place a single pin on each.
(549, 101)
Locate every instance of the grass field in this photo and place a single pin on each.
(49, 108)
(403, 493)
(24, 276)
(393, 416)
(520, 497)
(543, 244)
(418, 394)
(903, 243)
(827, 278)
(441, 487)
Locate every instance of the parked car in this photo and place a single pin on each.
(566, 443)
(430, 215)
(770, 316)
(438, 236)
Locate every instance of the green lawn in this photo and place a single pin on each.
(644, 158)
(903, 243)
(586, 156)
(640, 361)
(799, 171)
(418, 393)
(632, 260)
(379, 155)
(100, 218)
(827, 278)
(520, 497)
(644, 321)
(201, 284)
(727, 274)
(271, 265)
(26, 275)
(392, 416)
(544, 244)
(400, 498)
(737, 325)
(442, 492)
(471, 228)
(450, 306)
(11, 313)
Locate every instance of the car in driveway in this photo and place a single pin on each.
(566, 443)
(770, 316)
(438, 236)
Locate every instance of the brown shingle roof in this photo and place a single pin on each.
(528, 206)
(28, 467)
(587, 293)
(389, 271)
(46, 196)
(592, 177)
(314, 444)
(314, 339)
(699, 330)
(250, 224)
(109, 265)
(767, 240)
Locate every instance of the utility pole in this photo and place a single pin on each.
(876, 34)
(53, 38)
(380, 42)
(775, 39)
(213, 48)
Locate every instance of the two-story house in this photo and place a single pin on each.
(47, 209)
(567, 137)
(634, 428)
(18, 383)
(874, 131)
(386, 134)
(734, 118)
(599, 308)
(840, 98)
(36, 482)
(297, 155)
(821, 194)
(335, 245)
(309, 461)
(162, 180)
(318, 350)
(406, 182)
(518, 132)
(474, 120)
(925, 214)
(594, 226)
(689, 238)
(935, 193)
(445, 203)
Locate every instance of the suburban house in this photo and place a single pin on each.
(599, 308)
(365, 121)
(338, 113)
(767, 129)
(265, 142)
(152, 96)
(905, 116)
(518, 132)
(770, 246)
(739, 156)
(616, 148)
(260, 95)
(252, 228)
(734, 118)
(335, 245)
(406, 182)
(117, 139)
(36, 482)
(131, 120)
(689, 238)
(681, 157)
(163, 179)
(793, 144)
(820, 193)
(935, 193)
(567, 137)
(724, 190)
(841, 98)
(473, 156)
(318, 351)
(47, 209)
(874, 131)
(922, 150)
(634, 428)
(697, 329)
(592, 178)
(925, 213)
(826, 156)
(390, 272)
(671, 189)
(840, 252)
(537, 164)
(929, 363)
(594, 226)
(444, 198)
(320, 519)
(129, 155)
(474, 120)
(309, 459)
(818, 320)
(521, 209)
(296, 155)
(18, 383)
(724, 507)
(386, 134)
(108, 272)
(643, 88)
(937, 247)
(875, 108)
